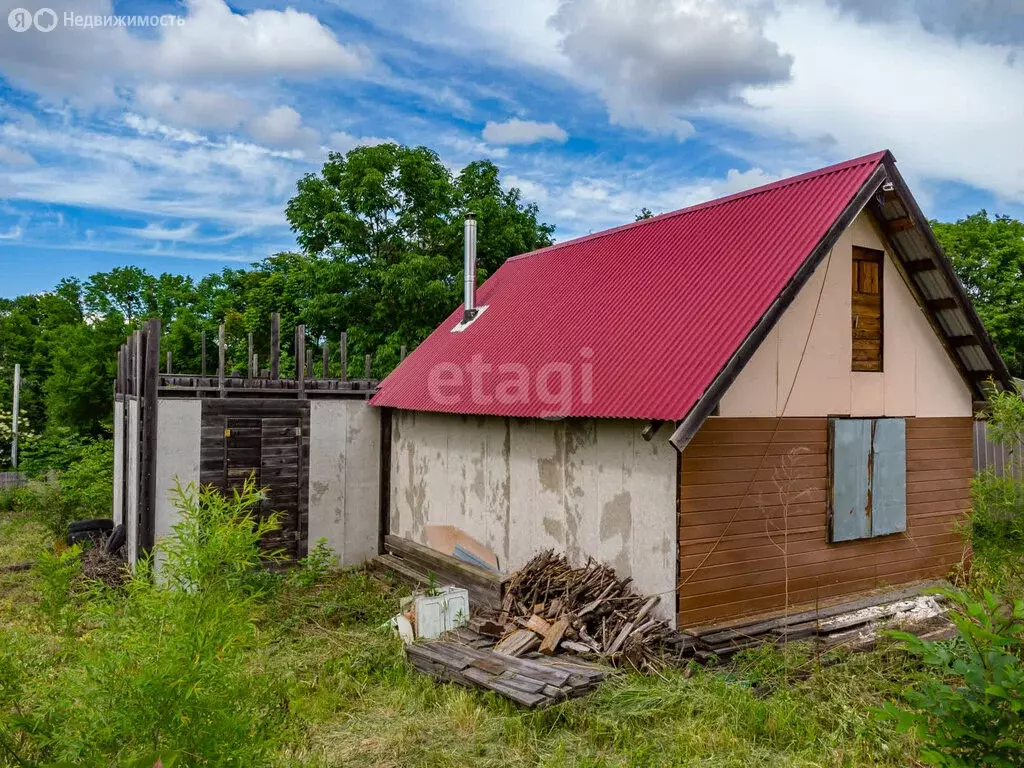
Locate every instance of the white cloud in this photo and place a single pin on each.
(652, 60)
(149, 126)
(226, 184)
(89, 66)
(591, 203)
(192, 107)
(11, 156)
(950, 110)
(216, 41)
(516, 131)
(283, 127)
(465, 148)
(342, 142)
(153, 231)
(14, 233)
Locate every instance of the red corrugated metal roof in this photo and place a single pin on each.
(633, 322)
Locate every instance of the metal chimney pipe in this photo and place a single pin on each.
(469, 268)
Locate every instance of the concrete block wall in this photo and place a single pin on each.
(344, 478)
(588, 487)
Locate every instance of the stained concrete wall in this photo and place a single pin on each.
(178, 432)
(344, 478)
(583, 486)
(784, 379)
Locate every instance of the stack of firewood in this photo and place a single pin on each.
(550, 606)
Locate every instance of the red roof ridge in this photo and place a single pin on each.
(873, 158)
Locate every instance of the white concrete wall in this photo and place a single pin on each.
(344, 478)
(586, 487)
(118, 511)
(918, 378)
(131, 509)
(178, 432)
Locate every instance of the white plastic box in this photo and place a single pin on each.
(441, 613)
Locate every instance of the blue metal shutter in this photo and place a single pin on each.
(851, 451)
(889, 478)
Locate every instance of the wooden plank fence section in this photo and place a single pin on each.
(1003, 460)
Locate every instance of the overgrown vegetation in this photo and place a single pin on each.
(80, 491)
(972, 712)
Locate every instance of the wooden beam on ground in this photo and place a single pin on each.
(938, 304)
(275, 346)
(902, 224)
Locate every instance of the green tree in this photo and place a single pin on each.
(988, 256)
(382, 226)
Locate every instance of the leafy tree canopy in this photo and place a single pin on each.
(380, 233)
(988, 256)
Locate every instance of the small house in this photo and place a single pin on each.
(764, 400)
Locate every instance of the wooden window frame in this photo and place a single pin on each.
(874, 256)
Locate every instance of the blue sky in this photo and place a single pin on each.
(176, 147)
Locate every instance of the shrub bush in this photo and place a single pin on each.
(972, 713)
(165, 666)
(82, 491)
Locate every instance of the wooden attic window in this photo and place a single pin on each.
(867, 309)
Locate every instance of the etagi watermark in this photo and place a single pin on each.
(555, 385)
(47, 20)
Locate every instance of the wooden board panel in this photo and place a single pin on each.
(730, 561)
(269, 440)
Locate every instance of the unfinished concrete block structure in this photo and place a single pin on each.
(759, 402)
(310, 441)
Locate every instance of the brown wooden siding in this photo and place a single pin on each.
(749, 487)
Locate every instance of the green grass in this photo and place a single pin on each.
(350, 699)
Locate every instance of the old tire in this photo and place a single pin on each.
(102, 524)
(115, 540)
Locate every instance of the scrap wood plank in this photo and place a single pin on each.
(716, 635)
(518, 643)
(554, 635)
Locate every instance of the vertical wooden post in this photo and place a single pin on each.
(202, 344)
(137, 384)
(326, 372)
(168, 362)
(403, 353)
(256, 365)
(368, 367)
(148, 404)
(248, 359)
(221, 359)
(344, 356)
(275, 346)
(300, 358)
(14, 416)
(309, 360)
